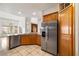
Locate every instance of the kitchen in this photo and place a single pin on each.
(37, 29)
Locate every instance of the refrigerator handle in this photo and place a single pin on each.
(46, 33)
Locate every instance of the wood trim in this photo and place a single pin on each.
(73, 29)
(51, 13)
(71, 4)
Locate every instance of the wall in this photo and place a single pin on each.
(27, 25)
(34, 20)
(17, 20)
(22, 25)
(76, 29)
(50, 10)
(37, 20)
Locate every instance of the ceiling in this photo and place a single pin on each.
(26, 8)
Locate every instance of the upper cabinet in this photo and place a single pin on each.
(50, 17)
(62, 6)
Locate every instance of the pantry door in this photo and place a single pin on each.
(66, 32)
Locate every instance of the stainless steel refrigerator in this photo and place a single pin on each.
(49, 37)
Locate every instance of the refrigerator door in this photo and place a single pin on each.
(52, 39)
(44, 39)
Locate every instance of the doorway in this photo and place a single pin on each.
(34, 28)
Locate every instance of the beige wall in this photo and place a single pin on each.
(50, 10)
(77, 29)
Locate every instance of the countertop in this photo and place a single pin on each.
(7, 35)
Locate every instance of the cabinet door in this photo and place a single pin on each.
(33, 39)
(30, 39)
(50, 17)
(25, 39)
(46, 18)
(66, 32)
(54, 16)
(38, 41)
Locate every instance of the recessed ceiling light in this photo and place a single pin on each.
(34, 13)
(19, 12)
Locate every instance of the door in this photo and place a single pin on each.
(34, 28)
(66, 32)
(44, 39)
(52, 38)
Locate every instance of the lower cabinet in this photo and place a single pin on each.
(32, 39)
(25, 39)
(14, 41)
(38, 40)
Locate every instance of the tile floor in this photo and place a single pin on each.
(29, 50)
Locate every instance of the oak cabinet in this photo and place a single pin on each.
(38, 40)
(31, 39)
(50, 17)
(25, 39)
(63, 5)
(66, 32)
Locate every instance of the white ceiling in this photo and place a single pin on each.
(26, 8)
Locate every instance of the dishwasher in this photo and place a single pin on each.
(14, 41)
